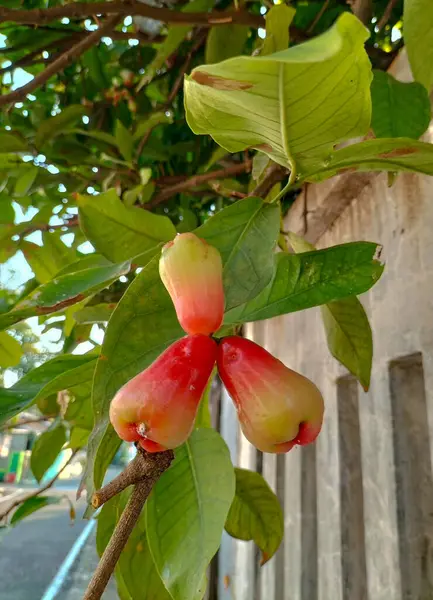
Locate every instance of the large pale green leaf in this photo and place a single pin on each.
(278, 20)
(418, 37)
(119, 232)
(246, 234)
(63, 291)
(31, 505)
(311, 279)
(186, 512)
(294, 105)
(135, 569)
(46, 449)
(399, 154)
(255, 513)
(143, 325)
(62, 372)
(225, 42)
(347, 329)
(10, 350)
(399, 109)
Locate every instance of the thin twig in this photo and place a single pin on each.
(386, 14)
(170, 191)
(79, 10)
(61, 62)
(47, 227)
(273, 174)
(317, 17)
(137, 470)
(44, 488)
(25, 422)
(98, 583)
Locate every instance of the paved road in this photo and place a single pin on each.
(32, 552)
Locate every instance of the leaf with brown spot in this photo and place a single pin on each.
(295, 104)
(219, 83)
(384, 154)
(63, 291)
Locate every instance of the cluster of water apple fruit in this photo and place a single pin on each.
(277, 407)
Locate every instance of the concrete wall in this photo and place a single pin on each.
(359, 503)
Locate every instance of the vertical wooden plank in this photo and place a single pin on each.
(413, 474)
(245, 573)
(353, 562)
(381, 534)
(226, 554)
(309, 558)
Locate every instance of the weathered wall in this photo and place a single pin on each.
(359, 503)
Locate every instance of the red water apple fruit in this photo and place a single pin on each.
(157, 408)
(277, 407)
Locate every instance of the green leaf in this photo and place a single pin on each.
(42, 261)
(31, 505)
(175, 36)
(63, 291)
(12, 143)
(143, 325)
(119, 232)
(418, 38)
(79, 438)
(235, 231)
(186, 512)
(125, 141)
(225, 41)
(92, 61)
(59, 373)
(96, 313)
(347, 329)
(255, 513)
(349, 337)
(311, 279)
(25, 181)
(135, 570)
(59, 124)
(294, 105)
(399, 109)
(278, 21)
(401, 154)
(46, 449)
(10, 350)
(156, 118)
(203, 418)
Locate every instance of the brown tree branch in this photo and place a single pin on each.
(150, 475)
(273, 174)
(44, 488)
(60, 63)
(172, 190)
(79, 10)
(386, 14)
(137, 470)
(47, 227)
